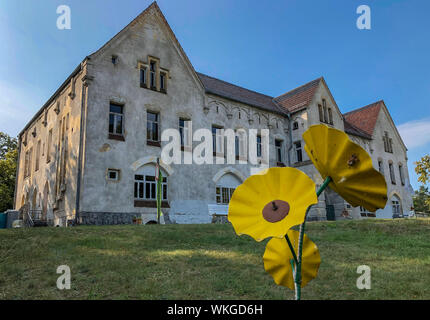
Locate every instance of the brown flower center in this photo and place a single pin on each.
(276, 210)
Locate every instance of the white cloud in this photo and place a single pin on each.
(415, 133)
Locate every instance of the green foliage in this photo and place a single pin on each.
(7, 143)
(423, 169)
(8, 161)
(422, 200)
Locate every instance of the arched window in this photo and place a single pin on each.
(396, 206)
(225, 187)
(145, 183)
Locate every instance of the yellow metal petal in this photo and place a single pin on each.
(349, 166)
(287, 184)
(278, 255)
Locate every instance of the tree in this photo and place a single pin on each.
(423, 169)
(7, 143)
(422, 200)
(8, 162)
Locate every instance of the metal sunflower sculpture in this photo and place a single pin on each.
(270, 203)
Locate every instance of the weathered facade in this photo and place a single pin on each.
(89, 154)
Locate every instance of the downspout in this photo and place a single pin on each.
(81, 134)
(290, 132)
(17, 172)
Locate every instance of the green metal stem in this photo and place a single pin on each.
(292, 250)
(298, 275)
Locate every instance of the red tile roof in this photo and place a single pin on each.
(351, 129)
(365, 118)
(299, 97)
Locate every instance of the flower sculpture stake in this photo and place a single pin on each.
(270, 203)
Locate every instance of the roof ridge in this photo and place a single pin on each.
(362, 108)
(307, 83)
(232, 84)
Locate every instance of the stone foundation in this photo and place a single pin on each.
(115, 218)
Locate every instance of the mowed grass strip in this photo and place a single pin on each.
(211, 262)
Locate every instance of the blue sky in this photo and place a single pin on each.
(267, 46)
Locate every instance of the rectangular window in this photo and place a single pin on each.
(402, 178)
(145, 188)
(259, 147)
(143, 77)
(152, 74)
(330, 116)
(325, 111)
(113, 175)
(152, 126)
(162, 81)
(48, 147)
(218, 140)
(295, 125)
(223, 195)
(381, 166)
(116, 119)
(185, 132)
(390, 145)
(38, 155)
(298, 147)
(278, 146)
(392, 176)
(236, 146)
(320, 111)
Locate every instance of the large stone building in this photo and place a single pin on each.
(89, 154)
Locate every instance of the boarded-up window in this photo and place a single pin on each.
(38, 155)
(48, 147)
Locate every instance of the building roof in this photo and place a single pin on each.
(364, 118)
(236, 93)
(299, 97)
(351, 129)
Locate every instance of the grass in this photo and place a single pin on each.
(210, 262)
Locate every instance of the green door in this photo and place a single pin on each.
(330, 213)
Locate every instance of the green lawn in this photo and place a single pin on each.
(210, 262)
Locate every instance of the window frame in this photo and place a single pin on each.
(37, 158)
(278, 149)
(392, 173)
(116, 171)
(144, 183)
(219, 196)
(116, 115)
(401, 174)
(143, 71)
(218, 140)
(151, 140)
(185, 131)
(299, 151)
